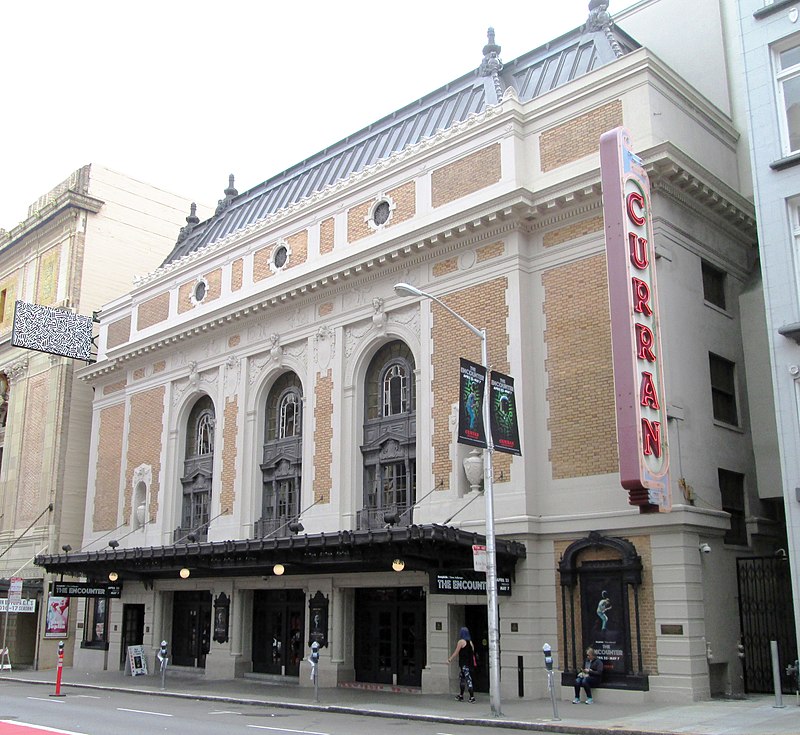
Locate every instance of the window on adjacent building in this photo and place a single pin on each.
(731, 489)
(723, 389)
(787, 74)
(713, 285)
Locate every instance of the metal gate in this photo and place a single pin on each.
(765, 613)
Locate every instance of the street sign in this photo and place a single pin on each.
(15, 589)
(23, 606)
(478, 558)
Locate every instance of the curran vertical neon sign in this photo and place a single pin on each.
(635, 333)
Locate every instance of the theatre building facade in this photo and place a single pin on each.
(273, 448)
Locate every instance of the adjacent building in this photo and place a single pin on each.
(273, 455)
(79, 247)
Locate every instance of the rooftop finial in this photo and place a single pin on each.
(230, 193)
(599, 20)
(491, 63)
(191, 221)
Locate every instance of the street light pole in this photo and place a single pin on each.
(405, 289)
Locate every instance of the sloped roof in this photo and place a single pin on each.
(539, 71)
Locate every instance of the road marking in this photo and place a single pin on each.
(286, 729)
(225, 712)
(44, 699)
(87, 696)
(143, 712)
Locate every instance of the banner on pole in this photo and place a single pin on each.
(472, 386)
(503, 414)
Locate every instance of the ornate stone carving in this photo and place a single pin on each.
(324, 346)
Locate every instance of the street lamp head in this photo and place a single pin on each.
(406, 289)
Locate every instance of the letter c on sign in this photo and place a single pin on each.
(635, 198)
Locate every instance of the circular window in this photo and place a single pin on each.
(200, 291)
(380, 214)
(280, 256)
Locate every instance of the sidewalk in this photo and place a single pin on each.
(752, 716)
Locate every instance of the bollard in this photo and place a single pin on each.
(314, 659)
(59, 670)
(776, 675)
(548, 663)
(163, 660)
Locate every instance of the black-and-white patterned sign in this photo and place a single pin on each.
(55, 331)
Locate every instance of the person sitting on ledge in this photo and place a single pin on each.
(588, 676)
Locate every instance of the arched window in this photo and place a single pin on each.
(390, 434)
(198, 469)
(281, 466)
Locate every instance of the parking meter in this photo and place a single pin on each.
(163, 660)
(551, 685)
(314, 659)
(548, 656)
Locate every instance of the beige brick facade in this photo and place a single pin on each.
(229, 450)
(443, 267)
(481, 304)
(144, 443)
(298, 248)
(578, 137)
(573, 230)
(404, 198)
(237, 274)
(8, 295)
(108, 471)
(261, 269)
(234, 340)
(323, 437)
(493, 250)
(326, 236)
(213, 291)
(119, 332)
(160, 366)
(32, 458)
(325, 309)
(47, 277)
(153, 311)
(646, 605)
(580, 394)
(115, 387)
(466, 176)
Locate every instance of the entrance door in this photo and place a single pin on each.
(278, 624)
(191, 628)
(475, 618)
(132, 630)
(390, 638)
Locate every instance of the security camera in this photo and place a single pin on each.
(705, 548)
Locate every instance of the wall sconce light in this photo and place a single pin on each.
(278, 569)
(113, 576)
(704, 549)
(296, 527)
(184, 573)
(66, 548)
(398, 565)
(113, 543)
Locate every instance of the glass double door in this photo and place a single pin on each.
(390, 638)
(278, 625)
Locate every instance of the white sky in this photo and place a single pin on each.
(181, 93)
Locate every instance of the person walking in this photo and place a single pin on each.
(465, 652)
(588, 676)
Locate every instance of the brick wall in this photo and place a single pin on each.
(119, 332)
(153, 311)
(580, 393)
(481, 304)
(109, 468)
(228, 474)
(578, 137)
(647, 617)
(573, 230)
(325, 309)
(404, 198)
(115, 387)
(214, 290)
(160, 366)
(298, 248)
(32, 458)
(9, 286)
(443, 267)
(237, 274)
(323, 437)
(144, 442)
(466, 176)
(493, 250)
(261, 269)
(326, 236)
(47, 277)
